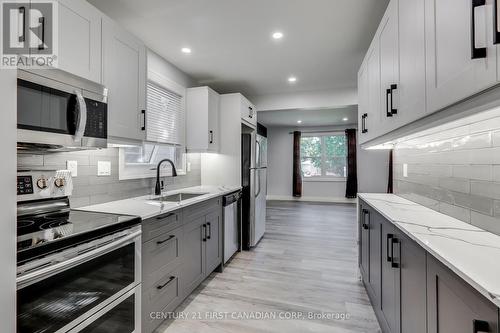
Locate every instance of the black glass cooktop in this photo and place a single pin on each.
(43, 234)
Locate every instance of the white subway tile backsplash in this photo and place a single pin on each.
(477, 172)
(91, 189)
(455, 171)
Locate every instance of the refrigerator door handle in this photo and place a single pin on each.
(257, 182)
(258, 159)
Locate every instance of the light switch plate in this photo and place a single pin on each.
(188, 166)
(72, 166)
(103, 168)
(405, 170)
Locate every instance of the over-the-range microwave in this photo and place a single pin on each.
(57, 111)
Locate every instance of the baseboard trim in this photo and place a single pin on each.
(311, 199)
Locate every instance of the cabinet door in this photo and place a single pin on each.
(453, 306)
(372, 121)
(389, 298)
(389, 67)
(452, 73)
(193, 269)
(213, 243)
(124, 74)
(363, 106)
(80, 39)
(375, 256)
(411, 89)
(248, 112)
(364, 244)
(213, 121)
(412, 260)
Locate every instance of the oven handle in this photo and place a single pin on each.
(49, 271)
(82, 116)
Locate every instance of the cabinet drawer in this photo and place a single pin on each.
(163, 296)
(193, 212)
(161, 253)
(160, 224)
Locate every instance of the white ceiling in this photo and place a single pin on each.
(310, 118)
(232, 49)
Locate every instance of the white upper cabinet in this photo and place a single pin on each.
(79, 39)
(363, 107)
(389, 66)
(410, 95)
(248, 112)
(124, 74)
(459, 63)
(203, 120)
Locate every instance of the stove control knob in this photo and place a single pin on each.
(59, 182)
(41, 183)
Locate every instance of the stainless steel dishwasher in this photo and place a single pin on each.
(232, 224)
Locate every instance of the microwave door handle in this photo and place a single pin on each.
(43, 273)
(82, 116)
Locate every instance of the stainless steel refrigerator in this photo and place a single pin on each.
(254, 183)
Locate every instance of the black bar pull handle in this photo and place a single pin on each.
(363, 123)
(477, 52)
(143, 127)
(22, 11)
(393, 263)
(165, 240)
(204, 232)
(41, 20)
(388, 247)
(393, 87)
(480, 326)
(209, 228)
(388, 112)
(211, 136)
(160, 287)
(250, 112)
(496, 33)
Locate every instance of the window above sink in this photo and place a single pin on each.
(137, 162)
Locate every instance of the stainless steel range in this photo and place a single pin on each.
(77, 271)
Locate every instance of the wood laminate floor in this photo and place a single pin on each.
(306, 264)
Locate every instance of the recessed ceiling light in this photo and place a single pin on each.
(186, 50)
(277, 35)
(345, 119)
(292, 79)
(299, 121)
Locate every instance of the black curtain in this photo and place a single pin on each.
(297, 172)
(351, 190)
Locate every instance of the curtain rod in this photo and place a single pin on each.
(340, 131)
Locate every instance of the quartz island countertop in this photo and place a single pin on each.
(146, 207)
(470, 252)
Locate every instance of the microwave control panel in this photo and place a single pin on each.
(97, 122)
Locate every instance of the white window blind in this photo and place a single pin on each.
(165, 115)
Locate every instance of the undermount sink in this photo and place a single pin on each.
(178, 197)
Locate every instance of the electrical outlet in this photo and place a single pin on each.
(72, 166)
(103, 168)
(405, 170)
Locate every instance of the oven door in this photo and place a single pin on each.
(94, 290)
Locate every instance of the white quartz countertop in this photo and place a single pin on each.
(470, 252)
(145, 207)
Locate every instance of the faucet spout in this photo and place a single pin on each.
(174, 174)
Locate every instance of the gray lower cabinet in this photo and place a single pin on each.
(390, 277)
(193, 268)
(180, 249)
(410, 290)
(454, 306)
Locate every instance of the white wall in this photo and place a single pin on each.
(166, 69)
(306, 100)
(280, 164)
(8, 93)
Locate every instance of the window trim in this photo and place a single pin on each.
(323, 177)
